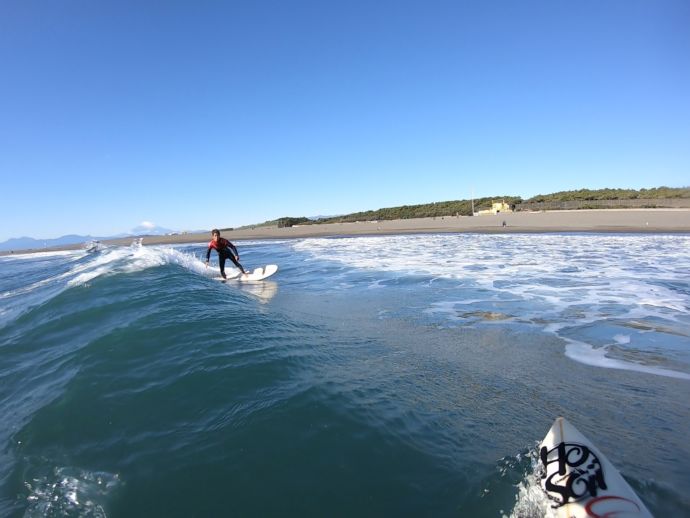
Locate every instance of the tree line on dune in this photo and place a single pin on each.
(580, 199)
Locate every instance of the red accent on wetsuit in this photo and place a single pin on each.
(219, 245)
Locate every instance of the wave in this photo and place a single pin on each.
(53, 273)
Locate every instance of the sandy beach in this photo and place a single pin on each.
(644, 220)
(610, 220)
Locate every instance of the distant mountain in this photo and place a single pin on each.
(26, 243)
(148, 229)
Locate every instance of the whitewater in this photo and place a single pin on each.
(383, 375)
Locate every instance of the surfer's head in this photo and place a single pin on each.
(215, 234)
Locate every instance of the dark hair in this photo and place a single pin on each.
(215, 231)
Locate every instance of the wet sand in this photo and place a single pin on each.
(610, 220)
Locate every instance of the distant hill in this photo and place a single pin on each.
(316, 218)
(150, 230)
(27, 243)
(464, 207)
(30, 243)
(579, 199)
(613, 194)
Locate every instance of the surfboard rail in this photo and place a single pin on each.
(258, 274)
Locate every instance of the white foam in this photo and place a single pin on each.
(531, 500)
(565, 283)
(68, 491)
(585, 353)
(41, 255)
(188, 261)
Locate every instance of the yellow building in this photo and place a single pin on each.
(496, 208)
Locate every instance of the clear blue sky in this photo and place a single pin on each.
(199, 114)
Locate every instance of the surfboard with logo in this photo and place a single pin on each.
(580, 481)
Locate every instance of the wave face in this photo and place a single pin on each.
(395, 375)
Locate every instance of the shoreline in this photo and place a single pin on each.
(565, 221)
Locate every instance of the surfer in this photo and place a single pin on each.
(225, 250)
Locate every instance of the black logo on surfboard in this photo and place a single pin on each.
(578, 473)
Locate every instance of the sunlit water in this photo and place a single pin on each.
(396, 375)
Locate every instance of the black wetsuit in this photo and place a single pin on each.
(226, 250)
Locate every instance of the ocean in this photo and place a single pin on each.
(406, 375)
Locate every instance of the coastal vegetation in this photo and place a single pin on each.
(289, 222)
(657, 193)
(579, 199)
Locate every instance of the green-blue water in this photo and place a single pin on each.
(383, 376)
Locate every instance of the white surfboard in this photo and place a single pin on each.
(580, 480)
(259, 274)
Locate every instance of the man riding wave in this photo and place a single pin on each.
(226, 250)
